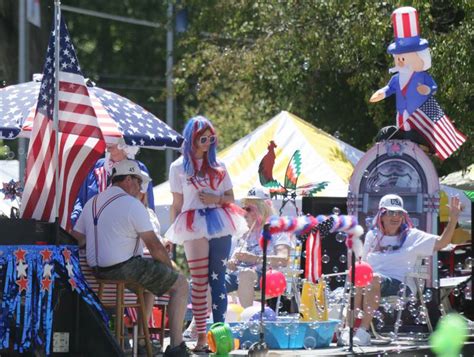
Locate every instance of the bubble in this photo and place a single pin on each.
(340, 237)
(337, 134)
(246, 345)
(10, 155)
(254, 327)
(456, 292)
(440, 264)
(325, 259)
(309, 343)
(6, 149)
(435, 284)
(198, 87)
(335, 269)
(336, 211)
(366, 174)
(343, 259)
(458, 266)
(376, 187)
(468, 263)
(380, 325)
(306, 65)
(368, 221)
(287, 331)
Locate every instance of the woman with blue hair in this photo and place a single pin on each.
(204, 219)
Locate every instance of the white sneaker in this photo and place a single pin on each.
(362, 337)
(343, 339)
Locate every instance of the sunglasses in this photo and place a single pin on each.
(203, 139)
(394, 213)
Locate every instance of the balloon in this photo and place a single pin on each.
(275, 284)
(363, 274)
(450, 335)
(249, 312)
(252, 313)
(234, 312)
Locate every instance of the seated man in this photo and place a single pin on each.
(392, 248)
(113, 226)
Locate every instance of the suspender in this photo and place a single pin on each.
(95, 217)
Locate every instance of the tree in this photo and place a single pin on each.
(245, 61)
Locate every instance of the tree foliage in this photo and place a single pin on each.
(241, 62)
(244, 61)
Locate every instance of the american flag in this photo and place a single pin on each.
(435, 126)
(313, 268)
(80, 140)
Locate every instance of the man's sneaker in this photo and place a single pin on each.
(362, 337)
(178, 351)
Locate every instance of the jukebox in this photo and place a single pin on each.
(400, 167)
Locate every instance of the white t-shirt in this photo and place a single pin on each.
(117, 230)
(181, 183)
(398, 263)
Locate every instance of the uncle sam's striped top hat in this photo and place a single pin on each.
(406, 30)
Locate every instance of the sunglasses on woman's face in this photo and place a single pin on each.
(394, 213)
(203, 139)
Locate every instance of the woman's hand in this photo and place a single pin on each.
(232, 265)
(455, 208)
(209, 198)
(246, 257)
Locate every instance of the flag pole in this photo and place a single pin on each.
(57, 29)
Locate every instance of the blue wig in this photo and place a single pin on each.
(194, 128)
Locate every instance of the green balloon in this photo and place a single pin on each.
(449, 336)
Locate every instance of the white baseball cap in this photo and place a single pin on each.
(258, 193)
(392, 203)
(130, 167)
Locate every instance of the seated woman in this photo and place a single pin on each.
(392, 249)
(245, 264)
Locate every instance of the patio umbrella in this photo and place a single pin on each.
(118, 117)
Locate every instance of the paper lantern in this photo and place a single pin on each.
(275, 284)
(363, 274)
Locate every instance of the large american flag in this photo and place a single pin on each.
(80, 140)
(435, 126)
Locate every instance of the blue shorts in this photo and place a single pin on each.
(390, 286)
(232, 281)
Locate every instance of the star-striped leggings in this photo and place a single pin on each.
(207, 265)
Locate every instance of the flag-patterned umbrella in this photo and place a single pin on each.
(118, 116)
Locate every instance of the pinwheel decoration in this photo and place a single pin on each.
(290, 189)
(12, 190)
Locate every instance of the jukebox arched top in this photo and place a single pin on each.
(401, 167)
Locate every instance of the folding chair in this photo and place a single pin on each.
(420, 274)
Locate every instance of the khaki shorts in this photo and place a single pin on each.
(154, 276)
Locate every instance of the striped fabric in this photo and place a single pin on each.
(109, 292)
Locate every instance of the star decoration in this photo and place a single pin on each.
(47, 271)
(22, 283)
(222, 296)
(214, 275)
(69, 268)
(224, 262)
(21, 269)
(46, 255)
(73, 283)
(214, 307)
(20, 254)
(46, 284)
(67, 254)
